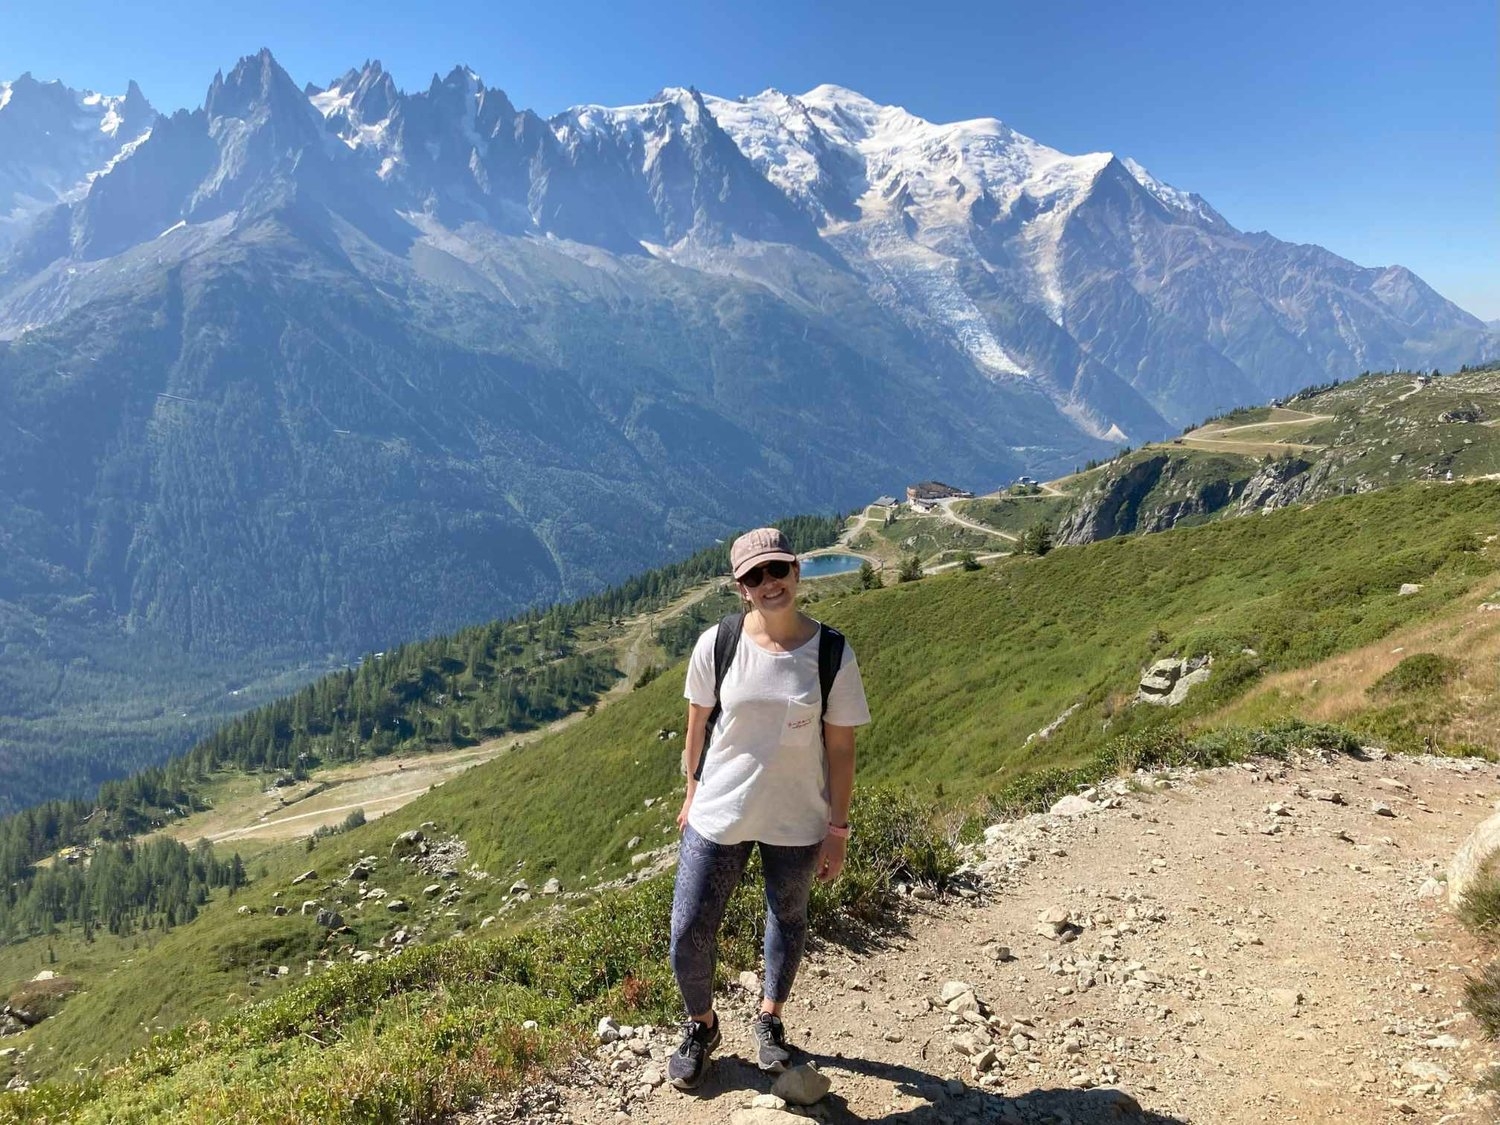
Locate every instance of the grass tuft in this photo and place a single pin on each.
(1480, 907)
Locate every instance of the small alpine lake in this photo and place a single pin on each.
(821, 566)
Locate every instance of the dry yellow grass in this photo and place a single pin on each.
(1337, 690)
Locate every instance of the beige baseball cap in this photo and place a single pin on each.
(758, 546)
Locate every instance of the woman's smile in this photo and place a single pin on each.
(773, 595)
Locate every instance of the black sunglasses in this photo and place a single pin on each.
(776, 568)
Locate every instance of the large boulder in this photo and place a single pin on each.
(1470, 859)
(1074, 805)
(1167, 682)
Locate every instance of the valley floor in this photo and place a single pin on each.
(1234, 962)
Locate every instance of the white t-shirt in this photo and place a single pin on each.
(765, 777)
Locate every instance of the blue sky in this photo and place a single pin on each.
(1369, 127)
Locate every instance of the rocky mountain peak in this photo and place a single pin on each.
(259, 91)
(365, 95)
(54, 141)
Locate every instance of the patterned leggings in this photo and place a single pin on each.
(707, 874)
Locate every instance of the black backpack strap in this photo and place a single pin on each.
(726, 644)
(830, 659)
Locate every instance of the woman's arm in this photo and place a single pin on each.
(692, 751)
(838, 744)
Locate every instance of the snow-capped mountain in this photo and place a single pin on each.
(972, 229)
(54, 141)
(1132, 305)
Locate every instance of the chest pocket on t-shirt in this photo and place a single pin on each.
(801, 727)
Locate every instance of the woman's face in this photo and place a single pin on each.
(773, 594)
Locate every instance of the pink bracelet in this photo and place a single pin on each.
(839, 830)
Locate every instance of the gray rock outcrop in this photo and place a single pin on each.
(1167, 682)
(1482, 845)
(1279, 483)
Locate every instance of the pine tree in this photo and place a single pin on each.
(1037, 539)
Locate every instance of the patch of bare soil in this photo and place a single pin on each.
(1253, 944)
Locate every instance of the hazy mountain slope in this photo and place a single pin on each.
(291, 445)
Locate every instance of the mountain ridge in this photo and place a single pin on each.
(1004, 203)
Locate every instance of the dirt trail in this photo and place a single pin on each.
(1246, 950)
(1300, 421)
(1236, 445)
(946, 507)
(642, 636)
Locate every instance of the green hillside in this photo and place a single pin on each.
(1373, 432)
(959, 668)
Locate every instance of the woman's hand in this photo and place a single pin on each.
(831, 858)
(682, 813)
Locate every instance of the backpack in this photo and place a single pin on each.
(727, 643)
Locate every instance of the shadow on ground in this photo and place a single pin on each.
(921, 1098)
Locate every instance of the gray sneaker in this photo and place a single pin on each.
(689, 1063)
(770, 1038)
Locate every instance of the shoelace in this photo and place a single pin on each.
(691, 1040)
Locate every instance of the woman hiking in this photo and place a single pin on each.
(770, 764)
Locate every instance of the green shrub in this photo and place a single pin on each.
(1419, 672)
(1480, 906)
(1037, 539)
(1482, 994)
(1218, 643)
(911, 569)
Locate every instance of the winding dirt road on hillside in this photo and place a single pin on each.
(1302, 420)
(1212, 437)
(946, 507)
(1247, 951)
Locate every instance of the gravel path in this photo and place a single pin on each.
(1251, 944)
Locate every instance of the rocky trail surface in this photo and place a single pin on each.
(1260, 943)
